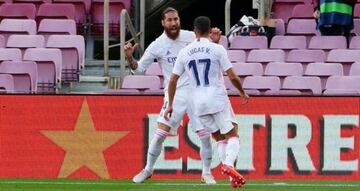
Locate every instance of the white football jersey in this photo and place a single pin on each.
(165, 51)
(204, 62)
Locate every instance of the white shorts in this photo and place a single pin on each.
(222, 120)
(181, 105)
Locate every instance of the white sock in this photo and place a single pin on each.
(155, 149)
(221, 146)
(205, 151)
(232, 151)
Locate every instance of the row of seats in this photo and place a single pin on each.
(84, 12)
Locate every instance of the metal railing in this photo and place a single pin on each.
(125, 24)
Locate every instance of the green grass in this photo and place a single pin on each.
(170, 185)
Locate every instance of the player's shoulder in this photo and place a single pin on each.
(186, 35)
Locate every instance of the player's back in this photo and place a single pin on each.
(204, 62)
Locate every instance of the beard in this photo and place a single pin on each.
(172, 32)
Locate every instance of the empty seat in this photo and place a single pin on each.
(342, 85)
(288, 42)
(25, 41)
(55, 11)
(57, 26)
(283, 9)
(305, 84)
(154, 70)
(97, 15)
(2, 41)
(6, 83)
(17, 26)
(302, 11)
(282, 69)
(139, 84)
(73, 54)
(324, 70)
(18, 10)
(224, 41)
(248, 69)
(279, 27)
(264, 56)
(301, 27)
(249, 42)
(10, 54)
(356, 29)
(345, 57)
(24, 74)
(355, 42)
(236, 55)
(306, 56)
(260, 84)
(37, 3)
(355, 69)
(49, 64)
(328, 42)
(357, 10)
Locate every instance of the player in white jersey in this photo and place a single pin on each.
(165, 49)
(204, 62)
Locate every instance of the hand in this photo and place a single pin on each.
(245, 98)
(168, 112)
(129, 50)
(215, 34)
(316, 14)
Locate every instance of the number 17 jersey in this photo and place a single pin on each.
(204, 62)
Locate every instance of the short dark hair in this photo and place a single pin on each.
(202, 24)
(168, 9)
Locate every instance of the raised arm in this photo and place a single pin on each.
(129, 50)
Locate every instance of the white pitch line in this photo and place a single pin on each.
(275, 184)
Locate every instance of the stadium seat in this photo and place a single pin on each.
(306, 85)
(25, 41)
(342, 85)
(305, 27)
(328, 42)
(355, 69)
(224, 41)
(17, 26)
(282, 69)
(18, 11)
(283, 8)
(306, 56)
(55, 11)
(2, 41)
(248, 69)
(345, 57)
(97, 15)
(301, 11)
(155, 70)
(279, 27)
(260, 84)
(265, 56)
(24, 74)
(49, 27)
(249, 42)
(73, 54)
(357, 10)
(356, 29)
(324, 70)
(10, 54)
(6, 83)
(140, 84)
(49, 64)
(288, 42)
(355, 43)
(236, 55)
(37, 3)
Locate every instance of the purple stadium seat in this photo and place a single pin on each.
(18, 11)
(37, 3)
(355, 69)
(248, 69)
(357, 10)
(140, 84)
(328, 42)
(283, 9)
(345, 57)
(305, 27)
(82, 8)
(282, 69)
(288, 42)
(49, 62)
(2, 41)
(154, 70)
(97, 15)
(249, 42)
(24, 74)
(55, 11)
(355, 42)
(10, 54)
(49, 27)
(356, 29)
(265, 56)
(17, 26)
(25, 41)
(302, 12)
(224, 41)
(73, 54)
(279, 27)
(306, 85)
(236, 55)
(306, 56)
(342, 85)
(6, 83)
(260, 84)
(324, 70)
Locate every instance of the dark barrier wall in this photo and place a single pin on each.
(107, 136)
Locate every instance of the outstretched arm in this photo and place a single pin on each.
(171, 91)
(235, 80)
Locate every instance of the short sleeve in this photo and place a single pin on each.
(224, 59)
(179, 67)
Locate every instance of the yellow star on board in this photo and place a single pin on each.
(84, 146)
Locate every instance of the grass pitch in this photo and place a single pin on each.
(170, 185)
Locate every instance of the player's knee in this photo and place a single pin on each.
(164, 127)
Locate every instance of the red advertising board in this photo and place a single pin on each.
(79, 136)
